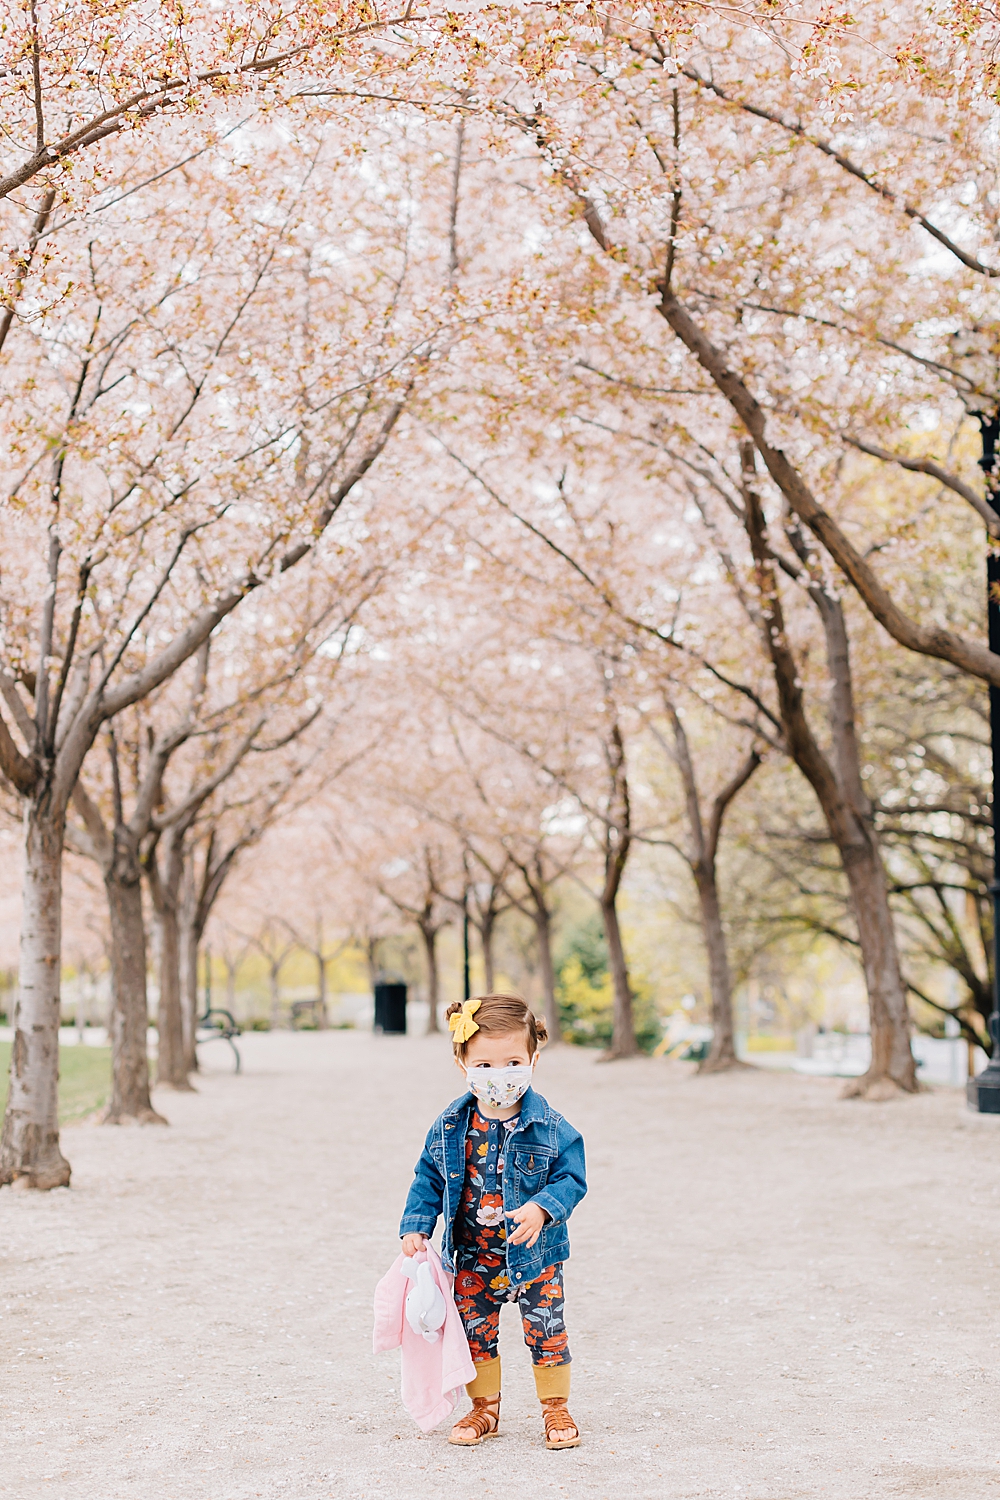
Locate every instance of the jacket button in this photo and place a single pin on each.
(517, 1276)
(454, 1174)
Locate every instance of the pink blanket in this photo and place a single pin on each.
(434, 1372)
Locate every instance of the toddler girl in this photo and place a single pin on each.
(500, 1152)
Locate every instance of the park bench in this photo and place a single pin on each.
(308, 1010)
(218, 1025)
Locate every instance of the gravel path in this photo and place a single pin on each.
(773, 1295)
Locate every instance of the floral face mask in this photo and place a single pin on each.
(499, 1087)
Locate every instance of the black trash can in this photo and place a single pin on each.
(390, 1008)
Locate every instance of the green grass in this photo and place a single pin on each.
(84, 1080)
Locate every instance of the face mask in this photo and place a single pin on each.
(499, 1087)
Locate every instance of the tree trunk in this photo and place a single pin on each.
(231, 987)
(892, 1061)
(623, 1042)
(189, 990)
(543, 930)
(29, 1150)
(429, 935)
(893, 1065)
(722, 1053)
(130, 1101)
(275, 996)
(171, 1070)
(164, 887)
(704, 845)
(617, 844)
(322, 1020)
(486, 930)
(839, 791)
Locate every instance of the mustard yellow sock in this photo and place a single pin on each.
(551, 1380)
(487, 1381)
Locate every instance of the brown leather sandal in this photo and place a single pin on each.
(558, 1420)
(484, 1419)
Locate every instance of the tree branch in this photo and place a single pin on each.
(801, 741)
(24, 266)
(682, 757)
(50, 731)
(453, 207)
(928, 466)
(353, 476)
(199, 795)
(293, 734)
(185, 537)
(143, 105)
(726, 796)
(18, 707)
(795, 129)
(21, 772)
(36, 79)
(933, 640)
(98, 838)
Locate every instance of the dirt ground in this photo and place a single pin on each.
(772, 1294)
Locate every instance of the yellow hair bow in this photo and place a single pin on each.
(462, 1024)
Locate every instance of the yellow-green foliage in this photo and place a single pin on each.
(586, 1007)
(588, 1004)
(84, 1080)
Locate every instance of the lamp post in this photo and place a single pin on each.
(466, 988)
(976, 356)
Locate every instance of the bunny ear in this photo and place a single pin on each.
(425, 1305)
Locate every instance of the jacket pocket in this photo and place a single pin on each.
(532, 1169)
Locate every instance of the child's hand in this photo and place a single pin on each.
(414, 1243)
(530, 1221)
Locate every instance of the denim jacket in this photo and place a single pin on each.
(543, 1164)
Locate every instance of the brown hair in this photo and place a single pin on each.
(500, 1014)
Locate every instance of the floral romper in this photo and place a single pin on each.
(481, 1283)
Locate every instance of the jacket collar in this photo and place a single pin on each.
(533, 1107)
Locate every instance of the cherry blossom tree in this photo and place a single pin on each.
(314, 940)
(403, 869)
(700, 852)
(138, 547)
(641, 135)
(218, 325)
(88, 83)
